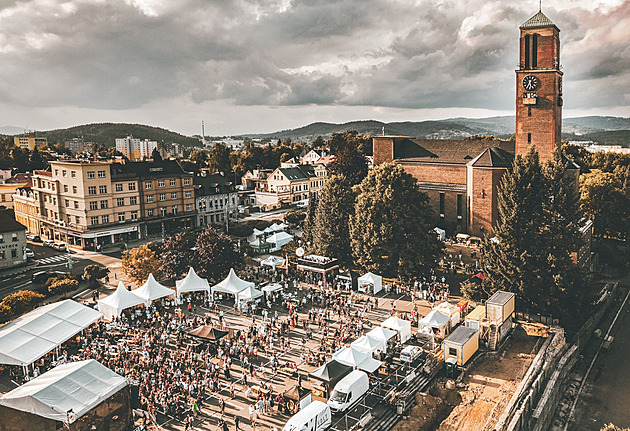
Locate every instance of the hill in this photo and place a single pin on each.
(106, 134)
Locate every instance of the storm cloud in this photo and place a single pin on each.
(75, 61)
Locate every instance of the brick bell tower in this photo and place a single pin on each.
(539, 88)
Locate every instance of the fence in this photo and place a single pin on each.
(534, 316)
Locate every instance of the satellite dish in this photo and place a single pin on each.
(299, 251)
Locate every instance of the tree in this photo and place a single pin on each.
(603, 200)
(331, 232)
(93, 273)
(199, 158)
(139, 262)
(36, 161)
(20, 159)
(215, 255)
(219, 159)
(177, 254)
(21, 302)
(349, 159)
(294, 217)
(63, 286)
(155, 155)
(391, 229)
(309, 221)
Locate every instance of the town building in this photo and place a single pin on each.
(95, 203)
(30, 142)
(461, 177)
(290, 185)
(216, 199)
(78, 146)
(12, 240)
(10, 186)
(134, 148)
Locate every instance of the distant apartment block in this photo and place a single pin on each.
(30, 142)
(289, 185)
(135, 149)
(78, 145)
(216, 199)
(94, 203)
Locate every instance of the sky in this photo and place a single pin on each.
(255, 66)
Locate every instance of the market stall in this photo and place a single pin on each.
(357, 359)
(438, 322)
(370, 283)
(231, 285)
(401, 326)
(151, 290)
(272, 261)
(191, 283)
(114, 304)
(369, 344)
(387, 336)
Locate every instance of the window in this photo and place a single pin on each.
(104, 204)
(73, 174)
(149, 198)
(452, 351)
(529, 111)
(91, 190)
(121, 217)
(134, 215)
(442, 199)
(13, 253)
(53, 187)
(529, 138)
(74, 190)
(67, 203)
(76, 205)
(150, 212)
(65, 188)
(94, 220)
(186, 181)
(460, 209)
(105, 219)
(534, 51)
(188, 195)
(56, 172)
(78, 219)
(133, 200)
(14, 237)
(174, 195)
(189, 207)
(1, 254)
(527, 38)
(172, 183)
(101, 174)
(163, 211)
(162, 196)
(119, 187)
(64, 173)
(148, 185)
(1, 239)
(90, 174)
(93, 205)
(132, 186)
(102, 189)
(174, 209)
(161, 183)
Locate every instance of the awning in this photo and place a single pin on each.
(208, 333)
(109, 232)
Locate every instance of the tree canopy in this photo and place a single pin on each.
(349, 151)
(139, 262)
(391, 229)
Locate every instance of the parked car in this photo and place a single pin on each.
(60, 246)
(48, 242)
(29, 253)
(33, 238)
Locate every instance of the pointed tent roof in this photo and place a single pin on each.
(370, 278)
(357, 358)
(79, 386)
(279, 237)
(434, 319)
(208, 332)
(272, 261)
(538, 20)
(381, 333)
(368, 344)
(118, 301)
(152, 290)
(249, 294)
(232, 284)
(331, 372)
(192, 283)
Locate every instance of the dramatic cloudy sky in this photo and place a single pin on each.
(265, 65)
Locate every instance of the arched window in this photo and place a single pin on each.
(535, 51)
(527, 51)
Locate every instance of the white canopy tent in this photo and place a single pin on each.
(268, 230)
(255, 234)
(279, 239)
(192, 283)
(356, 358)
(112, 305)
(436, 321)
(370, 283)
(382, 334)
(441, 233)
(152, 290)
(368, 344)
(77, 386)
(272, 261)
(249, 294)
(450, 310)
(403, 327)
(278, 227)
(29, 337)
(232, 285)
(270, 288)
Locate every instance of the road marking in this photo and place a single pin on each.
(80, 293)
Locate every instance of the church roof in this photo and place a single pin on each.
(443, 151)
(538, 20)
(493, 158)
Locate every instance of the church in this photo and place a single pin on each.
(461, 177)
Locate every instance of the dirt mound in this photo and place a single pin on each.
(430, 410)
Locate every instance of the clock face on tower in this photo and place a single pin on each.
(531, 83)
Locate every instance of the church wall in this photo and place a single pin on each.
(382, 149)
(482, 196)
(434, 173)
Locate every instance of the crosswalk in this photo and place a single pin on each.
(55, 259)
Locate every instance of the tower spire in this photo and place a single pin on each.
(539, 5)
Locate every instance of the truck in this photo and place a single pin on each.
(349, 391)
(314, 417)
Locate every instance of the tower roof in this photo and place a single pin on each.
(538, 20)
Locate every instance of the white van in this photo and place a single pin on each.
(314, 417)
(410, 353)
(349, 391)
(303, 203)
